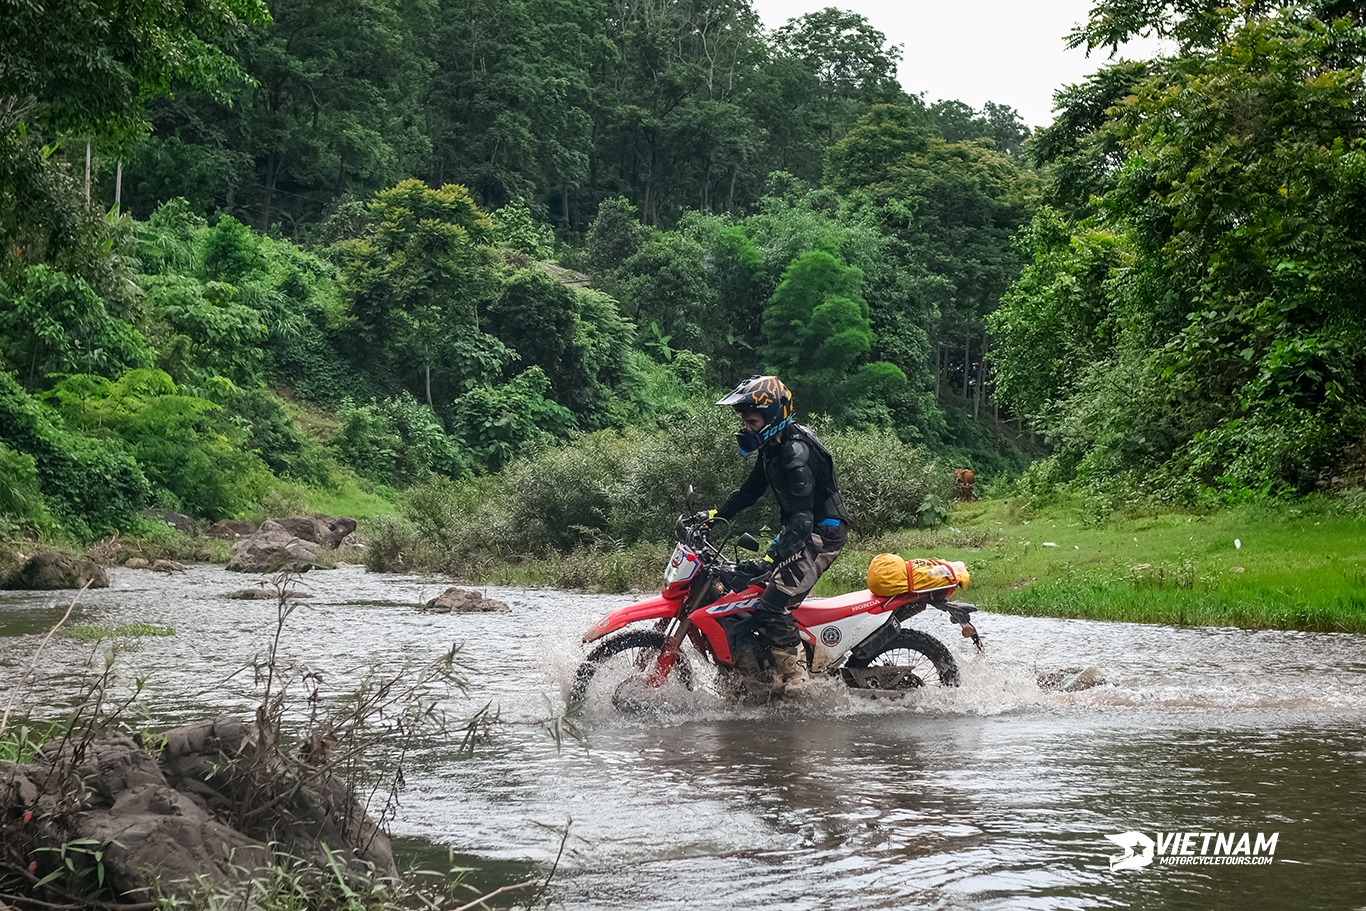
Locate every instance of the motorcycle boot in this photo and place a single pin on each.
(789, 670)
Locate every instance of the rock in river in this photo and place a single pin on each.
(459, 600)
(273, 549)
(52, 570)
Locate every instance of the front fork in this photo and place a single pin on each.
(675, 630)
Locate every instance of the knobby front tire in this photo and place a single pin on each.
(648, 645)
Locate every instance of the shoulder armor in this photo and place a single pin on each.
(795, 453)
(807, 435)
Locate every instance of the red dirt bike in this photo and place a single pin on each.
(707, 602)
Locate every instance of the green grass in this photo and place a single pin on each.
(1291, 566)
(94, 632)
(20, 741)
(347, 495)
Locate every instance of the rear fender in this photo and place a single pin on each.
(656, 608)
(875, 643)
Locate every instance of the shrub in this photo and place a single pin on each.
(199, 462)
(94, 486)
(396, 441)
(21, 499)
(619, 488)
(274, 434)
(54, 322)
(497, 423)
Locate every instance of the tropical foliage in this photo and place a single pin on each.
(433, 240)
(1191, 320)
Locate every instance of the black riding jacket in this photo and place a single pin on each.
(799, 469)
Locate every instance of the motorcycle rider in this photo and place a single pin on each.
(796, 465)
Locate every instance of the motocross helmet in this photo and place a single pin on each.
(766, 395)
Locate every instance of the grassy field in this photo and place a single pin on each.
(1292, 566)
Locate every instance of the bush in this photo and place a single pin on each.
(498, 423)
(274, 434)
(21, 500)
(94, 486)
(199, 462)
(885, 482)
(396, 441)
(54, 322)
(619, 488)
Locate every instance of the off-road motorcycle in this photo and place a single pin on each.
(708, 603)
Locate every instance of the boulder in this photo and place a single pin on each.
(177, 520)
(329, 531)
(1070, 680)
(51, 571)
(137, 563)
(167, 566)
(263, 594)
(231, 529)
(459, 600)
(208, 809)
(273, 549)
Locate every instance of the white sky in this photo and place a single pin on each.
(1008, 51)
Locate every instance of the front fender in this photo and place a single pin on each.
(656, 608)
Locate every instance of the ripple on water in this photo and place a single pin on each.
(991, 795)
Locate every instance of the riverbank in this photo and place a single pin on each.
(1299, 565)
(1295, 566)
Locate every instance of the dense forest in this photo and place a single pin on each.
(464, 248)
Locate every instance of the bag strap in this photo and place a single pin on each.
(910, 571)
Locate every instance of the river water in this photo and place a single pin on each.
(995, 795)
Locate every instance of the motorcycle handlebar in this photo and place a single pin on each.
(695, 531)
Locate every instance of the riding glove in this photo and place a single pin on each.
(755, 567)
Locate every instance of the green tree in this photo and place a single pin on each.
(1233, 300)
(332, 105)
(615, 235)
(1078, 157)
(511, 100)
(52, 322)
(999, 123)
(576, 337)
(948, 211)
(676, 126)
(90, 68)
(1057, 317)
(664, 289)
(817, 337)
(416, 279)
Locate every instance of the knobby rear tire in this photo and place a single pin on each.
(649, 641)
(913, 640)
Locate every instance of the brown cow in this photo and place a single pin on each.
(963, 479)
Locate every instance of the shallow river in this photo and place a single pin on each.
(995, 795)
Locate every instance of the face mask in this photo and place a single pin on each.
(748, 441)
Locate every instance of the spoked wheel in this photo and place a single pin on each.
(621, 668)
(913, 659)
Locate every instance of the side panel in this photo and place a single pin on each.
(830, 641)
(656, 608)
(707, 621)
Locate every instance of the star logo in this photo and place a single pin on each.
(1138, 851)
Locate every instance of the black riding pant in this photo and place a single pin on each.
(792, 580)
